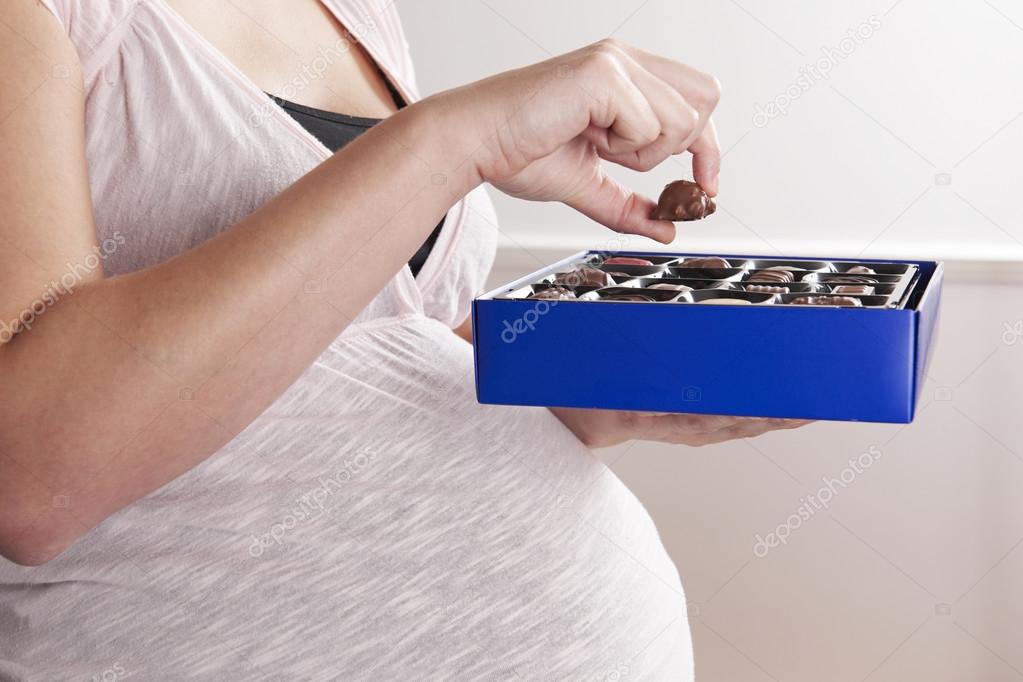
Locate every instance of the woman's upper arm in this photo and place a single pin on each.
(47, 220)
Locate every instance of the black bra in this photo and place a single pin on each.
(334, 131)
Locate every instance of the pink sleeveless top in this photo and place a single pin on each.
(376, 522)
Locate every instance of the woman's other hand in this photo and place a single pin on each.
(604, 428)
(544, 129)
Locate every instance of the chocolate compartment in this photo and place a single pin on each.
(659, 261)
(796, 265)
(714, 296)
(632, 270)
(659, 295)
(691, 283)
(793, 287)
(731, 274)
(879, 268)
(867, 301)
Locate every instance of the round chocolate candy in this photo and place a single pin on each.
(584, 277)
(626, 260)
(859, 289)
(861, 270)
(554, 294)
(683, 200)
(843, 301)
(710, 262)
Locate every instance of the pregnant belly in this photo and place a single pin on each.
(378, 520)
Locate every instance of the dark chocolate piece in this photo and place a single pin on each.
(710, 262)
(554, 294)
(584, 277)
(683, 200)
(844, 301)
(626, 260)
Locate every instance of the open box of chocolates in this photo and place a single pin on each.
(808, 338)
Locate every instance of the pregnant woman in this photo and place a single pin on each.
(238, 435)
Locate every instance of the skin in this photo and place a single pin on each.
(111, 403)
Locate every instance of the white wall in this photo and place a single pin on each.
(913, 572)
(851, 166)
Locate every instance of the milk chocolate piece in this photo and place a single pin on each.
(778, 274)
(626, 260)
(683, 200)
(584, 277)
(861, 289)
(845, 301)
(711, 262)
(670, 287)
(554, 294)
(629, 297)
(764, 289)
(860, 270)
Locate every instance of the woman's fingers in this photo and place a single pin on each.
(694, 429)
(624, 119)
(707, 159)
(679, 124)
(701, 93)
(621, 209)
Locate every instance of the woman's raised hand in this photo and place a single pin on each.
(543, 129)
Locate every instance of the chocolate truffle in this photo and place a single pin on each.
(683, 200)
(670, 287)
(554, 294)
(764, 289)
(861, 289)
(629, 297)
(711, 262)
(860, 270)
(584, 277)
(844, 301)
(626, 260)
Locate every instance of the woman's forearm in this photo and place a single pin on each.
(136, 379)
